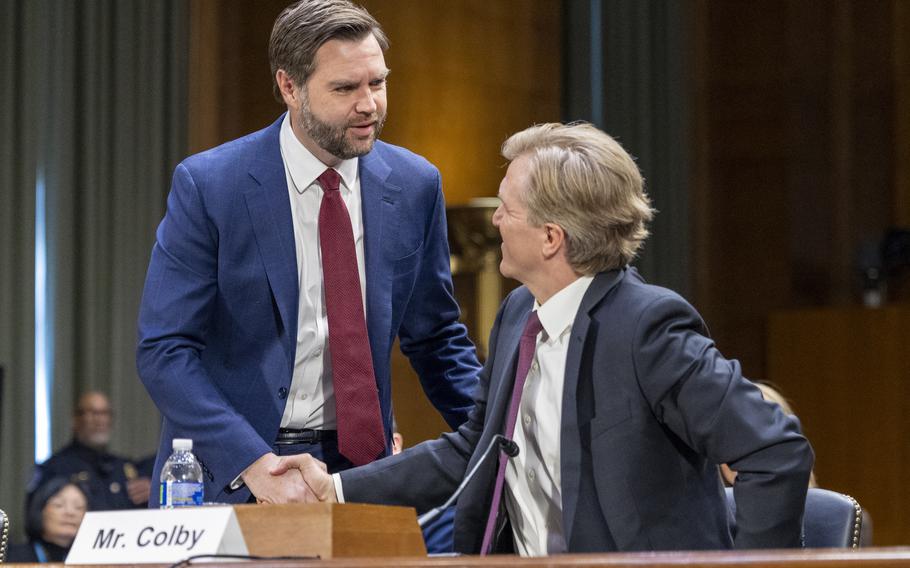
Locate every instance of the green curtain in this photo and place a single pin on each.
(18, 149)
(626, 69)
(647, 105)
(93, 104)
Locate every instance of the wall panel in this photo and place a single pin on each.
(795, 161)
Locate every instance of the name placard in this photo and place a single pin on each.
(156, 536)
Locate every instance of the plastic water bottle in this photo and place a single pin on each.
(181, 477)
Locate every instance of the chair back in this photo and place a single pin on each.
(4, 535)
(831, 520)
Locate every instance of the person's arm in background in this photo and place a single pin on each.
(139, 480)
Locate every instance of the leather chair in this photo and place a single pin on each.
(831, 520)
(4, 535)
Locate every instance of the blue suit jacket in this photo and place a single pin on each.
(649, 408)
(218, 319)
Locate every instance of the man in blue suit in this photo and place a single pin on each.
(286, 265)
(620, 404)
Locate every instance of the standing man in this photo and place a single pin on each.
(111, 482)
(286, 265)
(620, 404)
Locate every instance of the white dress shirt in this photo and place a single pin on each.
(311, 400)
(533, 487)
(533, 491)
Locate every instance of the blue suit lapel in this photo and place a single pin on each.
(570, 438)
(380, 202)
(270, 213)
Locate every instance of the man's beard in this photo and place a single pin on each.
(333, 138)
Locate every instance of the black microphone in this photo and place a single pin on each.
(508, 447)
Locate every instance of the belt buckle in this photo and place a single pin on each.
(305, 436)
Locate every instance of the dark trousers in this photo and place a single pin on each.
(325, 451)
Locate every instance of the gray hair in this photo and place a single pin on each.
(584, 181)
(302, 28)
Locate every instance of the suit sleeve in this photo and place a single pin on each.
(177, 303)
(432, 338)
(704, 399)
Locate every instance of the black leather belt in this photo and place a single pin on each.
(288, 436)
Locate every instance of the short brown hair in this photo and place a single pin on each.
(302, 28)
(585, 182)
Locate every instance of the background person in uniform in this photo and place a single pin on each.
(287, 263)
(112, 482)
(619, 402)
(53, 514)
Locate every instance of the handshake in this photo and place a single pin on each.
(289, 479)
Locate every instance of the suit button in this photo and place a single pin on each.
(282, 393)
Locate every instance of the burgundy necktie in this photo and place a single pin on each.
(360, 432)
(525, 356)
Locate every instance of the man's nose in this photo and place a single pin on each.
(496, 217)
(366, 104)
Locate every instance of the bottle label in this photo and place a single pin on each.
(181, 493)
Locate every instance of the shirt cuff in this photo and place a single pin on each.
(339, 492)
(237, 483)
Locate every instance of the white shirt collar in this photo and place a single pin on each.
(304, 166)
(557, 314)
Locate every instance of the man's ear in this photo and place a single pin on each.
(555, 240)
(289, 91)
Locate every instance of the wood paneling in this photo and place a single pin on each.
(330, 530)
(831, 558)
(846, 372)
(803, 145)
(465, 75)
(901, 18)
(795, 163)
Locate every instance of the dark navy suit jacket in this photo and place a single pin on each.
(218, 319)
(650, 407)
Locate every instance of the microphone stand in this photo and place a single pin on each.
(509, 447)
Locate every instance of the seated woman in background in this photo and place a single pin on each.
(771, 394)
(52, 517)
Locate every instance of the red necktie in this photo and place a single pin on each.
(526, 348)
(360, 433)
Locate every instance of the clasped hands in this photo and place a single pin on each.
(289, 479)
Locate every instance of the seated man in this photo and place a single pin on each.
(619, 402)
(113, 482)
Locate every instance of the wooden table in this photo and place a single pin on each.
(832, 558)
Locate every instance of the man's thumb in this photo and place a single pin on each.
(280, 468)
